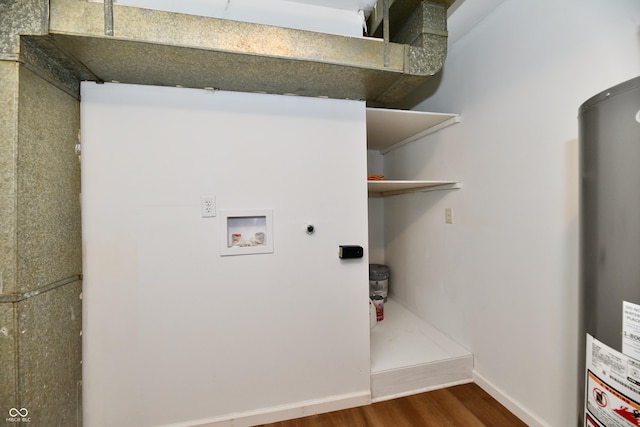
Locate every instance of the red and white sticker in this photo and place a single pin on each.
(612, 393)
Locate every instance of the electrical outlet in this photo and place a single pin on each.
(448, 216)
(208, 206)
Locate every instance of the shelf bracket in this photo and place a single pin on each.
(447, 186)
(429, 131)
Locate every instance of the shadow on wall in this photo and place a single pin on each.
(573, 293)
(407, 213)
(411, 235)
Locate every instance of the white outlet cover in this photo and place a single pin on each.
(208, 206)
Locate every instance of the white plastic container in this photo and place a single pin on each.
(379, 280)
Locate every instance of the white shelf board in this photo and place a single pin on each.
(389, 129)
(386, 188)
(402, 340)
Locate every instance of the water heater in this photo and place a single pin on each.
(610, 257)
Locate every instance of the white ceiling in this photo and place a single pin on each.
(354, 5)
(463, 14)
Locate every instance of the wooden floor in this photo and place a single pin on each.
(460, 406)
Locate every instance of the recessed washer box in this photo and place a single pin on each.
(246, 232)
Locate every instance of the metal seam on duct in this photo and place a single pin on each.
(108, 17)
(12, 298)
(385, 31)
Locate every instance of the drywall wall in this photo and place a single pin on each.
(173, 331)
(375, 166)
(270, 12)
(502, 280)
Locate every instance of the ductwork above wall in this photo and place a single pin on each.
(132, 45)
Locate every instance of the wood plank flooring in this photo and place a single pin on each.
(459, 406)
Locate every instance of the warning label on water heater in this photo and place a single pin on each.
(612, 387)
(631, 329)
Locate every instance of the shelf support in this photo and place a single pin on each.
(440, 187)
(433, 129)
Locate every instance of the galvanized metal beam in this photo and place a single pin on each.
(40, 56)
(171, 49)
(160, 28)
(24, 25)
(425, 36)
(18, 17)
(111, 42)
(400, 11)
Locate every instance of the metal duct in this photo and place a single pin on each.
(141, 46)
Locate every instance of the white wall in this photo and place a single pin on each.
(173, 332)
(269, 12)
(375, 165)
(502, 280)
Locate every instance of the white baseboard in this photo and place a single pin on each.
(420, 378)
(283, 412)
(512, 405)
(335, 403)
(420, 390)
